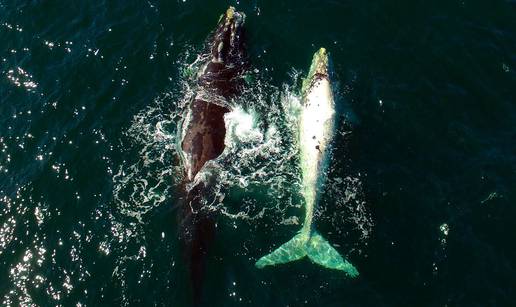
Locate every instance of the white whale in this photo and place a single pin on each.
(316, 129)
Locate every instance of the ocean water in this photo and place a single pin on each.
(420, 195)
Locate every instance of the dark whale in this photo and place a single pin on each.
(218, 81)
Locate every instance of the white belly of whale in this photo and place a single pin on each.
(316, 132)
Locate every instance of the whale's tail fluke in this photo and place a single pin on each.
(315, 247)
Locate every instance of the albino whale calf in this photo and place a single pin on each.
(316, 129)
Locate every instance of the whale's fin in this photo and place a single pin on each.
(322, 253)
(292, 250)
(316, 248)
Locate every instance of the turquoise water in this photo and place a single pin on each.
(420, 193)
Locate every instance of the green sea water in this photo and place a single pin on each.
(421, 188)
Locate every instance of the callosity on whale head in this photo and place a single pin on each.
(319, 69)
(228, 60)
(227, 43)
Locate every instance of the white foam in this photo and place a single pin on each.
(241, 127)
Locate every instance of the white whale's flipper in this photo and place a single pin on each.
(315, 247)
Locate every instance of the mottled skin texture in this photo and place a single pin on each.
(203, 140)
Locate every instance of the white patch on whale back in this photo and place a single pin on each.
(316, 131)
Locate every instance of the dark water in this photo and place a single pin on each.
(421, 193)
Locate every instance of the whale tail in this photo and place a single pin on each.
(315, 247)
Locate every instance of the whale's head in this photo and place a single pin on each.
(319, 64)
(227, 44)
(319, 69)
(228, 62)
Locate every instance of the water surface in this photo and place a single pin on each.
(420, 195)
